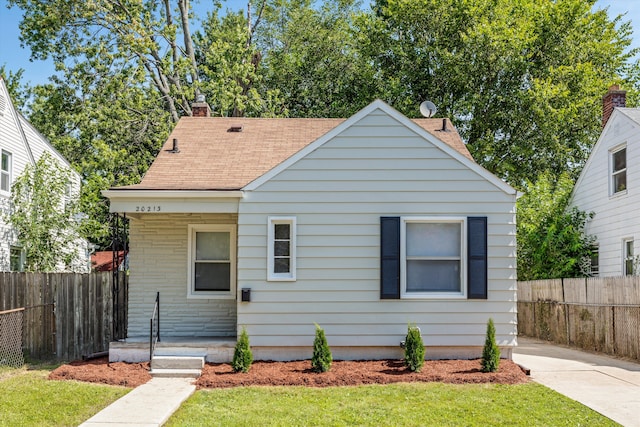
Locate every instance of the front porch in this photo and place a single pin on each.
(136, 349)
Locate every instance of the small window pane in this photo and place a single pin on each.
(5, 161)
(213, 246)
(16, 260)
(281, 248)
(433, 239)
(629, 244)
(628, 267)
(433, 276)
(281, 265)
(4, 182)
(620, 160)
(213, 276)
(595, 261)
(282, 231)
(620, 181)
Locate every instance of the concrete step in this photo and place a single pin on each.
(175, 373)
(177, 362)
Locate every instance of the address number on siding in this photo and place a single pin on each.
(148, 208)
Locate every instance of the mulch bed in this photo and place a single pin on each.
(299, 373)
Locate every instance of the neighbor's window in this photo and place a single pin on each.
(619, 170)
(281, 252)
(594, 267)
(5, 171)
(16, 259)
(432, 257)
(627, 248)
(212, 251)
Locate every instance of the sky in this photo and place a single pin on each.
(14, 57)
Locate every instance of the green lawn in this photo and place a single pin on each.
(417, 404)
(29, 399)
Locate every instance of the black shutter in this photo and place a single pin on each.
(477, 257)
(389, 257)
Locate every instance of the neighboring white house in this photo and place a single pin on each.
(361, 225)
(609, 186)
(21, 145)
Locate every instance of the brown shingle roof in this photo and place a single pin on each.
(212, 158)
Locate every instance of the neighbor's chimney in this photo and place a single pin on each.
(613, 99)
(200, 108)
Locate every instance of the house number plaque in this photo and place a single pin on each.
(148, 208)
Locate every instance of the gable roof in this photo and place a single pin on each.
(33, 142)
(429, 129)
(632, 113)
(211, 157)
(619, 113)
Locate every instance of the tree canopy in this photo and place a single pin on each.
(521, 80)
(552, 242)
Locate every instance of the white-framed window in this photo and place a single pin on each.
(5, 171)
(627, 257)
(281, 250)
(618, 169)
(433, 257)
(594, 261)
(212, 261)
(16, 258)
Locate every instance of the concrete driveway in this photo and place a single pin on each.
(608, 385)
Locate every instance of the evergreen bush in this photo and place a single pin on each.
(321, 360)
(242, 356)
(413, 349)
(491, 351)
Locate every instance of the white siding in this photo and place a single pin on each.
(18, 137)
(615, 215)
(11, 140)
(158, 263)
(338, 194)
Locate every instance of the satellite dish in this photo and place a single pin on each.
(428, 109)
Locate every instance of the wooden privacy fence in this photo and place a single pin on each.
(600, 314)
(66, 315)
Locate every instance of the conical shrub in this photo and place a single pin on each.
(491, 351)
(242, 356)
(321, 360)
(413, 349)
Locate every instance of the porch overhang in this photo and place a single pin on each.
(136, 201)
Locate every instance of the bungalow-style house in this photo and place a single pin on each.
(362, 226)
(21, 145)
(609, 186)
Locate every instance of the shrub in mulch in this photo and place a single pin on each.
(350, 373)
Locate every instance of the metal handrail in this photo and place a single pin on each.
(155, 320)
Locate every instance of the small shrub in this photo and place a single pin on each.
(413, 349)
(491, 351)
(321, 360)
(242, 356)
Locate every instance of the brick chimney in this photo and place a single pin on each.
(200, 108)
(613, 99)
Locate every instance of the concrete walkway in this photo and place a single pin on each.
(149, 405)
(605, 384)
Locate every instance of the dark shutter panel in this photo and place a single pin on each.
(477, 257)
(389, 257)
